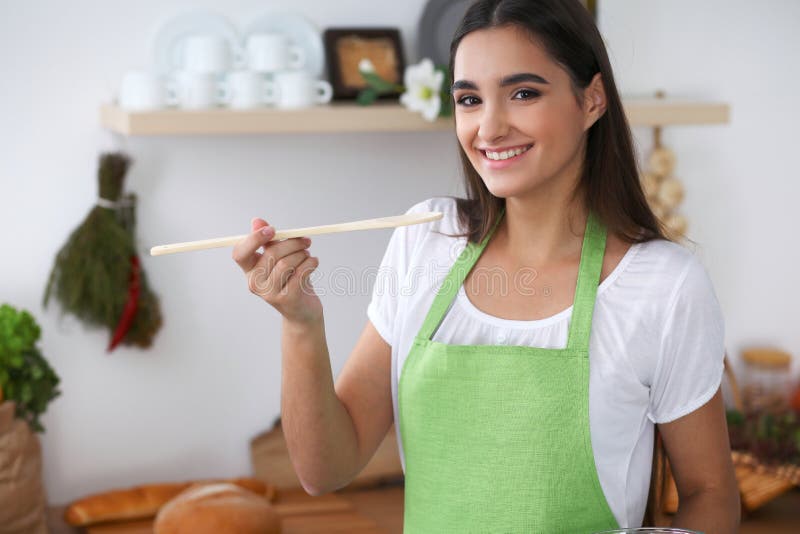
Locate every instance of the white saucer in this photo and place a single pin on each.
(169, 38)
(300, 30)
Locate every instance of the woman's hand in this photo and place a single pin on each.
(280, 274)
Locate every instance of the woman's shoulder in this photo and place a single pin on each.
(441, 231)
(446, 205)
(664, 254)
(434, 240)
(660, 269)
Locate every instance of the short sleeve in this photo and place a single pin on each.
(690, 363)
(391, 275)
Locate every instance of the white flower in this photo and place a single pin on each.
(366, 65)
(423, 84)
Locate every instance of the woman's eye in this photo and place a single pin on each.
(526, 94)
(468, 101)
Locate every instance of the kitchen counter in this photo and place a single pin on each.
(380, 511)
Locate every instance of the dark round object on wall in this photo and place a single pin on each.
(436, 28)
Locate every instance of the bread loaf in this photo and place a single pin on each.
(217, 509)
(141, 502)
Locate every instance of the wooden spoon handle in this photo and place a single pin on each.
(366, 224)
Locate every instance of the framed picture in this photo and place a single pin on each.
(591, 5)
(346, 47)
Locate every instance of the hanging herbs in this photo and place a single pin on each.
(141, 317)
(97, 275)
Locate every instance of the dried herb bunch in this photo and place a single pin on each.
(147, 319)
(96, 275)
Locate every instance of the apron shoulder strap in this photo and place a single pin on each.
(455, 278)
(594, 246)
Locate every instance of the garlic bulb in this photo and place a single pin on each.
(670, 193)
(658, 210)
(650, 184)
(662, 161)
(676, 224)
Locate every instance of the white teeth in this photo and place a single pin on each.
(506, 154)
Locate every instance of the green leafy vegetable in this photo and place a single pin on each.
(25, 376)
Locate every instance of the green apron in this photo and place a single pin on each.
(496, 437)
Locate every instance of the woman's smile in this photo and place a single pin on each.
(502, 158)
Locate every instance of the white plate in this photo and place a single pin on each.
(300, 30)
(169, 38)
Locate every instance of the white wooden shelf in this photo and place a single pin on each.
(350, 117)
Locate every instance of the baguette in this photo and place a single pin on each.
(142, 502)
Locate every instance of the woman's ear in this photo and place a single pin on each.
(594, 101)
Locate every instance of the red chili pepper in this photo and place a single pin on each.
(129, 311)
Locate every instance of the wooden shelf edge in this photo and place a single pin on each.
(334, 118)
(669, 112)
(344, 118)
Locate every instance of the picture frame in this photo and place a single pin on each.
(591, 5)
(344, 49)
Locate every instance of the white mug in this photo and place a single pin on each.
(196, 90)
(206, 54)
(299, 89)
(246, 90)
(142, 91)
(272, 52)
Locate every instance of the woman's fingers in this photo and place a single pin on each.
(268, 276)
(256, 223)
(272, 286)
(300, 280)
(274, 263)
(245, 252)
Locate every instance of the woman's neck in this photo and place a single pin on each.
(541, 230)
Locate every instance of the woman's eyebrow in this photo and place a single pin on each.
(463, 84)
(522, 77)
(513, 79)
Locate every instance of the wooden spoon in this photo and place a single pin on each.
(366, 224)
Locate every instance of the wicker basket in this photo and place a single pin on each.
(758, 483)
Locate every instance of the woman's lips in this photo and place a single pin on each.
(504, 163)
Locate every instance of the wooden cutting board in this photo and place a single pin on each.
(300, 514)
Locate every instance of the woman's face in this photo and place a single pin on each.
(517, 117)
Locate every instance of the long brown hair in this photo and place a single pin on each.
(610, 178)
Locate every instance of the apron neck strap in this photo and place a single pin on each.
(594, 242)
(594, 246)
(455, 278)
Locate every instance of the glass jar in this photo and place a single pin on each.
(766, 383)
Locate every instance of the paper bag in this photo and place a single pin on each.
(22, 497)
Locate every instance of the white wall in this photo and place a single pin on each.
(188, 407)
(741, 179)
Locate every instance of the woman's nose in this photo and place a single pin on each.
(493, 124)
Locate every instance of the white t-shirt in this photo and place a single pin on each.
(656, 347)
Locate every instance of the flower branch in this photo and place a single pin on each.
(425, 88)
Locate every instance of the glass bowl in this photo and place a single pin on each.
(649, 530)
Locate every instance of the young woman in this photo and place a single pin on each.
(538, 332)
